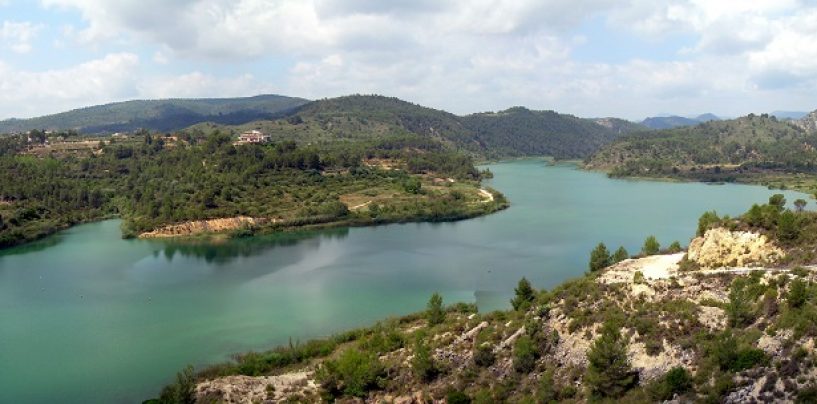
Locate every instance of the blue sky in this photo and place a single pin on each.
(626, 58)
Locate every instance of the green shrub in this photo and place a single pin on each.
(740, 306)
(435, 313)
(182, 391)
(524, 355)
(620, 255)
(353, 373)
(422, 364)
(484, 356)
(675, 247)
(638, 277)
(798, 293)
(457, 397)
(525, 295)
(651, 246)
(706, 221)
(599, 258)
(608, 372)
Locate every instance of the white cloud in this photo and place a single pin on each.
(468, 55)
(18, 35)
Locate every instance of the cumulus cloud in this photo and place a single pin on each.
(469, 55)
(18, 35)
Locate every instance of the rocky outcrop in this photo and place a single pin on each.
(808, 122)
(206, 226)
(246, 389)
(720, 247)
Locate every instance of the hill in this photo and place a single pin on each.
(674, 121)
(808, 122)
(519, 131)
(745, 149)
(514, 132)
(158, 115)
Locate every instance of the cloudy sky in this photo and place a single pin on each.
(627, 58)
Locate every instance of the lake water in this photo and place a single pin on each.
(88, 317)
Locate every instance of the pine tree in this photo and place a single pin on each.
(608, 372)
(651, 246)
(524, 295)
(599, 258)
(620, 255)
(435, 313)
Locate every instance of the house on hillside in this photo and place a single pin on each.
(254, 136)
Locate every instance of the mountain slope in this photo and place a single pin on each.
(514, 132)
(520, 131)
(808, 122)
(159, 115)
(739, 149)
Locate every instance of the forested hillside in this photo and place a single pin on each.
(153, 181)
(515, 132)
(157, 115)
(748, 148)
(519, 131)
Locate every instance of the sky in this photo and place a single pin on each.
(591, 58)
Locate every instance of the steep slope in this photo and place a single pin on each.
(717, 150)
(160, 115)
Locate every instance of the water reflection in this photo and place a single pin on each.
(223, 252)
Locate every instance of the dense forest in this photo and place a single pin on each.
(749, 149)
(154, 180)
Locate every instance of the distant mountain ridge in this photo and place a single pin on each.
(160, 115)
(675, 121)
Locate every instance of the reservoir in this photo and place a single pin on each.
(87, 317)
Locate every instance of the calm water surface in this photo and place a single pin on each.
(88, 317)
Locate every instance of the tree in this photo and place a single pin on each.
(422, 364)
(435, 313)
(651, 246)
(787, 227)
(412, 185)
(778, 201)
(706, 221)
(524, 355)
(353, 373)
(754, 217)
(800, 204)
(675, 247)
(608, 372)
(525, 294)
(739, 308)
(798, 293)
(599, 258)
(620, 255)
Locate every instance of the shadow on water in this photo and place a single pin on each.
(34, 246)
(222, 252)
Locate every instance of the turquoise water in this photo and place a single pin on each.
(89, 317)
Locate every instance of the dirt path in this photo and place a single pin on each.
(489, 197)
(356, 207)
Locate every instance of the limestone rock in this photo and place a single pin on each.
(720, 247)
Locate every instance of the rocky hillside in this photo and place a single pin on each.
(808, 122)
(730, 320)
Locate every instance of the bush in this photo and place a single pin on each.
(435, 313)
(422, 364)
(484, 356)
(675, 247)
(706, 221)
(651, 246)
(354, 373)
(620, 255)
(599, 258)
(608, 372)
(798, 294)
(676, 381)
(182, 391)
(457, 397)
(788, 228)
(524, 355)
(739, 308)
(524, 295)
